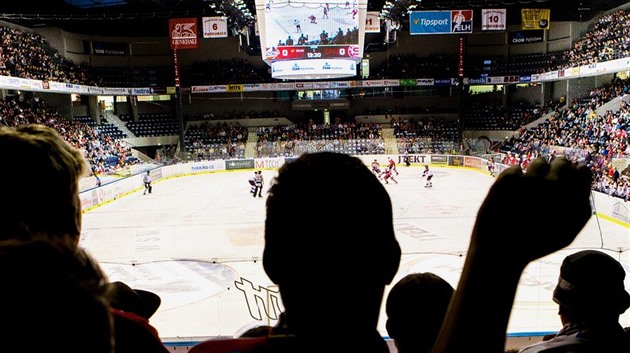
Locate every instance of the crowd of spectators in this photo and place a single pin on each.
(425, 135)
(575, 130)
(340, 136)
(104, 154)
(207, 141)
(578, 132)
(479, 116)
(235, 115)
(28, 55)
(608, 39)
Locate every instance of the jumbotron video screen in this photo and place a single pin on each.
(311, 39)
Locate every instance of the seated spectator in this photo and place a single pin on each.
(43, 203)
(257, 331)
(488, 282)
(415, 307)
(132, 309)
(54, 298)
(312, 318)
(487, 285)
(42, 192)
(591, 297)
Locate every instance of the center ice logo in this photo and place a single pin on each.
(262, 303)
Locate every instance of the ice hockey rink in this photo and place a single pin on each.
(197, 241)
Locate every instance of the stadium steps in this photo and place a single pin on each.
(114, 119)
(252, 140)
(391, 144)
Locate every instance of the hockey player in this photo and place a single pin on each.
(147, 183)
(428, 173)
(376, 168)
(491, 168)
(391, 165)
(387, 174)
(252, 183)
(259, 181)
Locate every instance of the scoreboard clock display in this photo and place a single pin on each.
(284, 52)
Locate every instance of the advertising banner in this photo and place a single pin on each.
(526, 37)
(109, 48)
(313, 68)
(183, 33)
(239, 164)
(535, 19)
(440, 22)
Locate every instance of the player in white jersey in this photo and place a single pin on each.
(376, 168)
(428, 173)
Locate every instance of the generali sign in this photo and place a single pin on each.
(183, 33)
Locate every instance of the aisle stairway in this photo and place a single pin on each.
(252, 141)
(391, 144)
(115, 120)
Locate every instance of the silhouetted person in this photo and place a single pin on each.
(41, 201)
(499, 251)
(591, 296)
(415, 307)
(304, 253)
(54, 298)
(259, 181)
(132, 310)
(330, 248)
(257, 331)
(146, 179)
(41, 193)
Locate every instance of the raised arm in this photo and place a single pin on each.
(554, 199)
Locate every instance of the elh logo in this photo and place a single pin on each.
(461, 21)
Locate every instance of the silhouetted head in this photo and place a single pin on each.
(415, 307)
(41, 191)
(140, 302)
(329, 224)
(58, 292)
(591, 282)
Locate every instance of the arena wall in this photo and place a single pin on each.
(610, 208)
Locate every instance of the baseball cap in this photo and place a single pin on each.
(591, 280)
(137, 301)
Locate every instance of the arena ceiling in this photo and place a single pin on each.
(150, 17)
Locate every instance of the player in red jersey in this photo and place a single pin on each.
(391, 165)
(387, 174)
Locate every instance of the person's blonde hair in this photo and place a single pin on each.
(40, 179)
